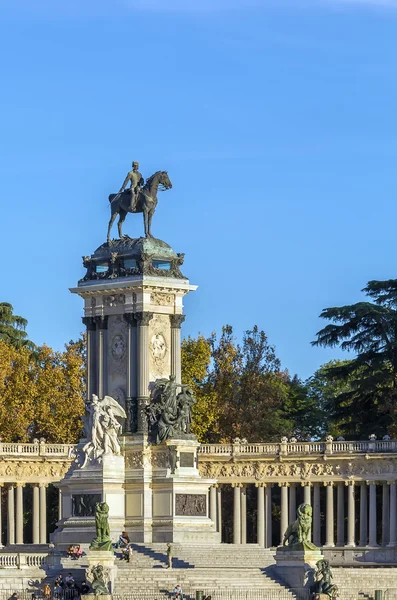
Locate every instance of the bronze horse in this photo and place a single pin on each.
(146, 202)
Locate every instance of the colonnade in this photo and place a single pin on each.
(357, 527)
(15, 512)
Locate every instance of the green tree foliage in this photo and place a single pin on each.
(368, 402)
(12, 327)
(242, 392)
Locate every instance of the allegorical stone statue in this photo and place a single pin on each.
(138, 198)
(101, 428)
(169, 412)
(102, 541)
(298, 534)
(323, 579)
(98, 576)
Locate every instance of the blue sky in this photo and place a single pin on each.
(276, 121)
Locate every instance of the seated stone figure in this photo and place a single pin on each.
(298, 534)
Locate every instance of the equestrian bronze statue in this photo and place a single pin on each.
(138, 198)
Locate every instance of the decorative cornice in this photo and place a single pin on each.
(89, 322)
(130, 319)
(101, 321)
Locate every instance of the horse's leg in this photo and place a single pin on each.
(145, 219)
(122, 216)
(150, 215)
(111, 221)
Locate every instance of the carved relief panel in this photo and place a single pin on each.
(117, 358)
(159, 347)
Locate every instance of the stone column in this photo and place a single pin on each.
(385, 514)
(213, 504)
(329, 541)
(19, 513)
(131, 399)
(43, 513)
(292, 504)
(243, 514)
(340, 515)
(372, 513)
(36, 514)
(10, 515)
(284, 509)
(363, 514)
(306, 493)
(143, 320)
(392, 517)
(92, 386)
(237, 514)
(316, 515)
(351, 517)
(219, 505)
(268, 515)
(59, 504)
(101, 345)
(176, 322)
(260, 522)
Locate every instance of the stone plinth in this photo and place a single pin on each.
(107, 560)
(295, 567)
(103, 482)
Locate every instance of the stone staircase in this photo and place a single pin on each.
(354, 583)
(223, 571)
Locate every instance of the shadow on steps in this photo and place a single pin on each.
(161, 556)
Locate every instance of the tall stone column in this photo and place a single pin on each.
(284, 509)
(340, 515)
(36, 514)
(59, 505)
(43, 513)
(237, 514)
(219, 505)
(260, 522)
(372, 514)
(143, 319)
(131, 400)
(329, 541)
(385, 514)
(316, 515)
(363, 514)
(213, 507)
(92, 386)
(393, 514)
(292, 504)
(101, 347)
(268, 515)
(243, 514)
(306, 493)
(19, 513)
(176, 322)
(351, 517)
(10, 515)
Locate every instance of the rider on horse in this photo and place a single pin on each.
(136, 182)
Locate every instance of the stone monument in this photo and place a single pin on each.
(137, 454)
(297, 557)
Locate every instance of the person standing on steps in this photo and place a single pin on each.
(169, 556)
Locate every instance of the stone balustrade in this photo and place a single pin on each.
(23, 560)
(36, 449)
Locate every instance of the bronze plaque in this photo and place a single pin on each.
(186, 459)
(83, 505)
(191, 505)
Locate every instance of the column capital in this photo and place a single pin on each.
(176, 321)
(237, 485)
(391, 482)
(350, 482)
(328, 483)
(260, 484)
(130, 319)
(20, 484)
(42, 484)
(284, 484)
(306, 484)
(89, 322)
(101, 321)
(143, 318)
(369, 482)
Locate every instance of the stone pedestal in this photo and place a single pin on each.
(80, 489)
(166, 499)
(107, 560)
(296, 567)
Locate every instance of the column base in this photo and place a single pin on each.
(391, 545)
(353, 545)
(329, 545)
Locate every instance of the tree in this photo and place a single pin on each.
(369, 329)
(12, 327)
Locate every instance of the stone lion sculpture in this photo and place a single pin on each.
(299, 532)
